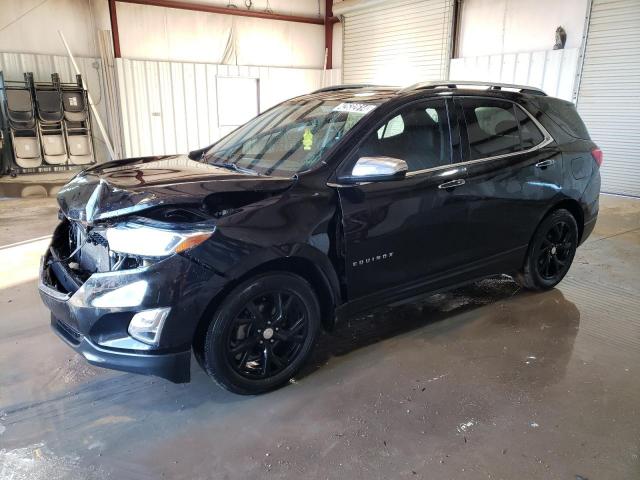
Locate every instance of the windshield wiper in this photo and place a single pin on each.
(236, 168)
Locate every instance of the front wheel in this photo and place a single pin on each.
(551, 251)
(262, 333)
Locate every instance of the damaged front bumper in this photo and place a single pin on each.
(94, 318)
(171, 366)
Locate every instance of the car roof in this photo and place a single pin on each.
(368, 93)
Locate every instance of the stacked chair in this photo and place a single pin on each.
(77, 125)
(46, 125)
(21, 123)
(50, 118)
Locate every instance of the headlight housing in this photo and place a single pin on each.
(150, 241)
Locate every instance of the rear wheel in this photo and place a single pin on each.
(262, 333)
(551, 251)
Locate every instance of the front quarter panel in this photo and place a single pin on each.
(297, 222)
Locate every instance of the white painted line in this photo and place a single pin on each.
(24, 242)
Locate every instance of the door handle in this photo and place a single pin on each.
(452, 184)
(545, 163)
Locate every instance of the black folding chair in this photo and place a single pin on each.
(21, 119)
(50, 116)
(77, 124)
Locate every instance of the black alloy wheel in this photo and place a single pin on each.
(551, 251)
(262, 333)
(556, 249)
(267, 335)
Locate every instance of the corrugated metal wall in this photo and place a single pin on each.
(14, 65)
(609, 93)
(173, 107)
(397, 42)
(554, 70)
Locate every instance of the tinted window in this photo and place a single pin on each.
(492, 128)
(393, 127)
(419, 135)
(531, 135)
(565, 114)
(495, 128)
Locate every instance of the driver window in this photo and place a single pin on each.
(419, 135)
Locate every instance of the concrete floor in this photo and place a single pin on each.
(484, 382)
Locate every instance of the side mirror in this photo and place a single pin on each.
(376, 169)
(197, 154)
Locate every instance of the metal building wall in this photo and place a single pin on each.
(553, 70)
(169, 107)
(490, 27)
(175, 107)
(609, 91)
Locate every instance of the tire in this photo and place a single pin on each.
(262, 333)
(551, 251)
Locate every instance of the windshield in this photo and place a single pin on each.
(288, 139)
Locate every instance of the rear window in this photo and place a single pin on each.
(565, 115)
(496, 127)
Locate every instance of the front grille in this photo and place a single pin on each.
(93, 255)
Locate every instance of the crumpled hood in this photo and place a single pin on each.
(123, 187)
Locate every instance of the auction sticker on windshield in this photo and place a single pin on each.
(354, 107)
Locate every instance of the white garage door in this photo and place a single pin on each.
(609, 94)
(396, 42)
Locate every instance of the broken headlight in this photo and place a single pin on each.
(151, 241)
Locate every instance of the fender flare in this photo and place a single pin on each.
(298, 250)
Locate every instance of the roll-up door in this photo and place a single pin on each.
(396, 42)
(609, 92)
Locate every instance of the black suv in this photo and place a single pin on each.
(328, 204)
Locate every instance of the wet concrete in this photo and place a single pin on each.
(484, 382)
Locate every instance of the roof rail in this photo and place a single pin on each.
(334, 88)
(460, 84)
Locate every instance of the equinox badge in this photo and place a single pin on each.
(373, 259)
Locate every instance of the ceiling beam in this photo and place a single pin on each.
(327, 21)
(240, 12)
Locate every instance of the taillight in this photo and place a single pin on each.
(597, 155)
